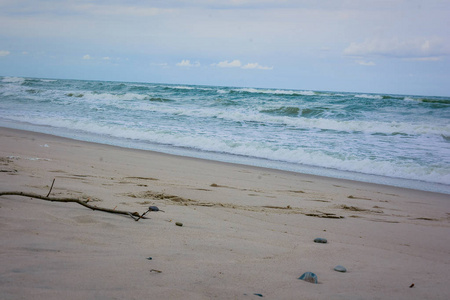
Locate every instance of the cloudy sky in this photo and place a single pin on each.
(385, 46)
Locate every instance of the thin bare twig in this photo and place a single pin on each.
(53, 182)
(143, 215)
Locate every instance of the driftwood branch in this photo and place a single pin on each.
(136, 216)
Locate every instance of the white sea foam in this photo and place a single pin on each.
(92, 96)
(369, 96)
(13, 79)
(369, 127)
(276, 92)
(257, 149)
(287, 92)
(183, 87)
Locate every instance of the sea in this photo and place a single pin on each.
(399, 140)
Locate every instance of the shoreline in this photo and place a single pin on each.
(422, 186)
(246, 230)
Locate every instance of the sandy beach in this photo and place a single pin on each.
(247, 232)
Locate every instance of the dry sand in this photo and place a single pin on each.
(246, 230)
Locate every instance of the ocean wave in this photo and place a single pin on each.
(363, 126)
(371, 127)
(221, 90)
(33, 91)
(158, 99)
(95, 96)
(282, 111)
(188, 88)
(400, 133)
(367, 96)
(231, 110)
(141, 88)
(13, 79)
(434, 100)
(226, 102)
(76, 95)
(389, 97)
(407, 170)
(313, 112)
(309, 121)
(182, 87)
(274, 92)
(118, 86)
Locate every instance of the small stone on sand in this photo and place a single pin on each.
(340, 268)
(309, 277)
(320, 240)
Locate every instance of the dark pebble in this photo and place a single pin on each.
(320, 240)
(259, 295)
(149, 258)
(309, 277)
(153, 208)
(179, 224)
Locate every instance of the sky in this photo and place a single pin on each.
(371, 46)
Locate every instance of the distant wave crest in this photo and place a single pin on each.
(13, 79)
(283, 111)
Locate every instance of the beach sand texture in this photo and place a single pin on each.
(247, 232)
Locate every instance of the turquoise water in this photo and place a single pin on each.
(394, 139)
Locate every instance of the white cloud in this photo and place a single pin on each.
(394, 47)
(237, 64)
(256, 66)
(4, 53)
(106, 58)
(233, 64)
(365, 63)
(87, 56)
(187, 63)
